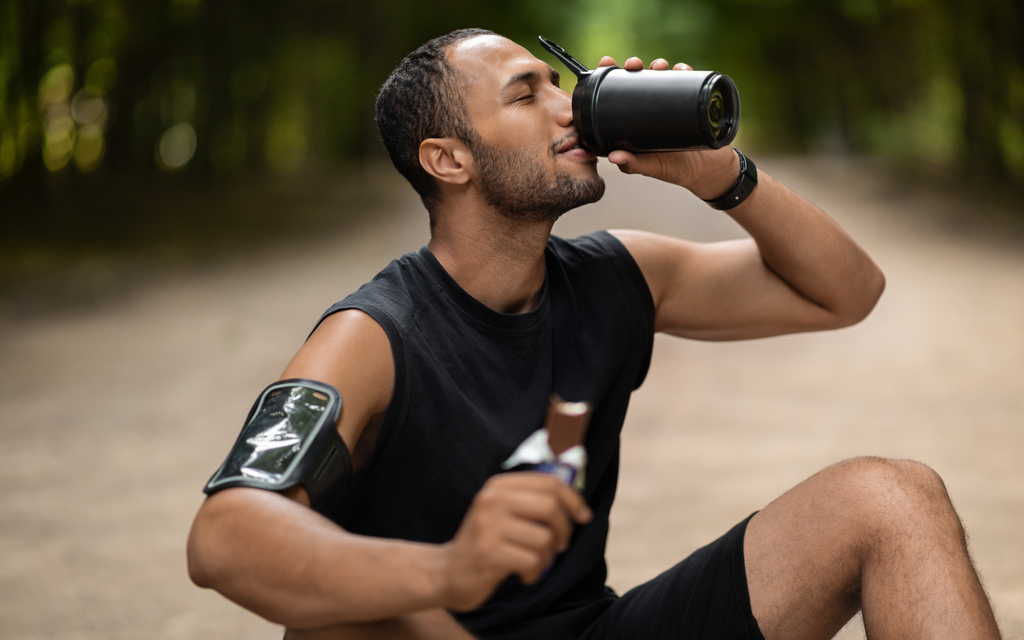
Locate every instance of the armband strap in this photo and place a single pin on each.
(290, 438)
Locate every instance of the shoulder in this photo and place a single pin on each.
(647, 247)
(350, 351)
(660, 258)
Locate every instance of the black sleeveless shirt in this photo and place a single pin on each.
(471, 384)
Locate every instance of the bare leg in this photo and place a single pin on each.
(872, 534)
(435, 624)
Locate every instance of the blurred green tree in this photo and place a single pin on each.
(99, 94)
(938, 82)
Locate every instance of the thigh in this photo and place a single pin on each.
(704, 597)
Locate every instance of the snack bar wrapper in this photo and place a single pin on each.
(557, 448)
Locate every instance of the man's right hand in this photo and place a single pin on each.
(515, 526)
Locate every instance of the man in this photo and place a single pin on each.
(445, 362)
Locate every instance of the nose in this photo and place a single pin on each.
(563, 109)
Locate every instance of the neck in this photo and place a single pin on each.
(498, 261)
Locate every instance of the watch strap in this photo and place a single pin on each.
(741, 190)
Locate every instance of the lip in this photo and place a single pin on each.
(570, 148)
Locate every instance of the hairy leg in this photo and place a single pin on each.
(435, 624)
(871, 534)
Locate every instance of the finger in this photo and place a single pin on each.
(633, 64)
(544, 509)
(550, 503)
(532, 566)
(660, 64)
(533, 574)
(629, 163)
(531, 535)
(621, 157)
(535, 495)
(532, 480)
(510, 558)
(575, 504)
(682, 66)
(607, 61)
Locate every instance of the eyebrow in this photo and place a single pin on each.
(529, 76)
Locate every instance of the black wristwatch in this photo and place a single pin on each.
(744, 185)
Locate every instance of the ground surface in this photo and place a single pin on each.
(114, 417)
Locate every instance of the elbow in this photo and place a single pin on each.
(198, 553)
(221, 555)
(213, 563)
(864, 302)
(198, 571)
(873, 290)
(212, 542)
(877, 288)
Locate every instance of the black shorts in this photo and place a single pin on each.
(704, 597)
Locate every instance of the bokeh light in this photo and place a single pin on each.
(60, 136)
(89, 147)
(73, 127)
(176, 147)
(89, 108)
(56, 85)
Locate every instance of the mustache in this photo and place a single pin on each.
(557, 144)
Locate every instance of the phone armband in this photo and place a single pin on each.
(290, 438)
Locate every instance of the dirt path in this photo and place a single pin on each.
(113, 419)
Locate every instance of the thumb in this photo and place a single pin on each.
(626, 161)
(647, 164)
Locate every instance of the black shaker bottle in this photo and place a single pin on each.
(648, 111)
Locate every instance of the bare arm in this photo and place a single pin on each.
(278, 558)
(273, 555)
(799, 272)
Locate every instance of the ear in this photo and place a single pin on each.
(447, 159)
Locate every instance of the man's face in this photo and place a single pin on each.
(528, 162)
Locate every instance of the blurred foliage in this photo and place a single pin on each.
(107, 105)
(936, 82)
(117, 116)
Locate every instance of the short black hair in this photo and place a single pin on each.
(421, 100)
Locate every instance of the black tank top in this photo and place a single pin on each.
(471, 384)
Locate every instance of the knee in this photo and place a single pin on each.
(885, 491)
(885, 475)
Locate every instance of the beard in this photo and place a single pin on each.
(517, 186)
